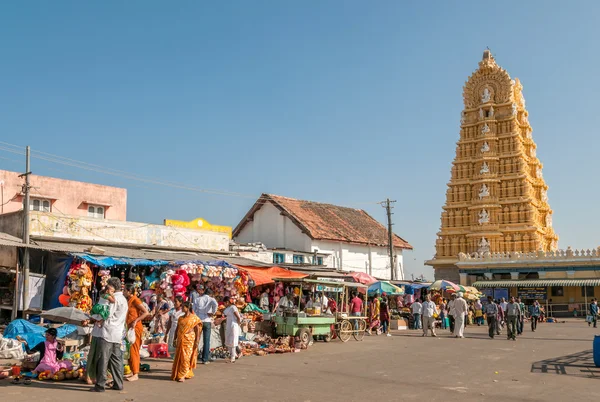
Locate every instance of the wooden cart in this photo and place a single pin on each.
(347, 325)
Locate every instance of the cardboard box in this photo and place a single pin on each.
(401, 324)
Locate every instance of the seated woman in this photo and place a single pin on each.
(50, 351)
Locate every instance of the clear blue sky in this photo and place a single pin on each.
(347, 102)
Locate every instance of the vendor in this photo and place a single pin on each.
(264, 299)
(285, 302)
(51, 351)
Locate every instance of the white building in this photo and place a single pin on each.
(306, 232)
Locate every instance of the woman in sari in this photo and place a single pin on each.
(136, 312)
(186, 341)
(374, 322)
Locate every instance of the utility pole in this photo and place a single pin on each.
(387, 204)
(26, 189)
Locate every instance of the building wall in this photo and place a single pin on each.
(355, 257)
(273, 230)
(277, 231)
(102, 230)
(67, 197)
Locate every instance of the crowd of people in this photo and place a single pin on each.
(185, 326)
(456, 313)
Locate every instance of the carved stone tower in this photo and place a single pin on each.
(496, 201)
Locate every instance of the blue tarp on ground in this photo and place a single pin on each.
(107, 262)
(32, 333)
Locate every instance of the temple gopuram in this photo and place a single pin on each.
(496, 226)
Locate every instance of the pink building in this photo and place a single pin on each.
(64, 197)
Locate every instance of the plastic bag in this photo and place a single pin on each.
(131, 335)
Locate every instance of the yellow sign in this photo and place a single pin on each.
(199, 224)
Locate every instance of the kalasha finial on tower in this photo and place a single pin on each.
(487, 54)
(488, 59)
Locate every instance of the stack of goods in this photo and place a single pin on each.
(76, 292)
(263, 345)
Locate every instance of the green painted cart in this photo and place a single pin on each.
(307, 327)
(304, 327)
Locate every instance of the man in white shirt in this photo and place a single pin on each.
(205, 308)
(429, 309)
(417, 309)
(285, 302)
(109, 336)
(460, 312)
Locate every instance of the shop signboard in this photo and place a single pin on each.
(323, 288)
(499, 293)
(486, 292)
(532, 292)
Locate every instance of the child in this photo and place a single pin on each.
(101, 310)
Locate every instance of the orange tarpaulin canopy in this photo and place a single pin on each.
(262, 276)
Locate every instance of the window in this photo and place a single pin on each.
(38, 204)
(96, 212)
(298, 259)
(557, 291)
(278, 258)
(587, 291)
(317, 260)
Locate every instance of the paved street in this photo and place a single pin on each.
(554, 364)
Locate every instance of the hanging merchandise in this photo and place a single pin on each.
(80, 279)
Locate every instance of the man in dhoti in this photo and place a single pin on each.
(461, 308)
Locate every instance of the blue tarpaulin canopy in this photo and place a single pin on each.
(32, 333)
(216, 263)
(107, 262)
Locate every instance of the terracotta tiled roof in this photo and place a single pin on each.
(328, 222)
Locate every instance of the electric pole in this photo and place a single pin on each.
(387, 204)
(26, 190)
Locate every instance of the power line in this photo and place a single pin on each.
(52, 158)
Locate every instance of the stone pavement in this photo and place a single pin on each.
(552, 364)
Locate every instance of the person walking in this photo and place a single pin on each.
(478, 307)
(513, 314)
(136, 312)
(384, 315)
(491, 313)
(594, 313)
(109, 336)
(174, 315)
(503, 305)
(451, 312)
(535, 315)
(460, 309)
(443, 313)
(521, 322)
(417, 309)
(232, 331)
(429, 310)
(186, 340)
(205, 308)
(375, 316)
(500, 319)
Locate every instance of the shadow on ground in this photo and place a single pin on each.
(579, 364)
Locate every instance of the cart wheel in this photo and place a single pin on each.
(327, 338)
(345, 331)
(304, 335)
(360, 333)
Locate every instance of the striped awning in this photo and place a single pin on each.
(537, 282)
